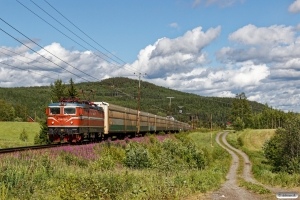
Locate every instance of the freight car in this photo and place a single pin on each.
(72, 120)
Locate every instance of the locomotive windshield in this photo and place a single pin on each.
(68, 111)
(54, 110)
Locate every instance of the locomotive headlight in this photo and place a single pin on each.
(52, 122)
(71, 122)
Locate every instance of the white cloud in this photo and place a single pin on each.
(174, 25)
(295, 7)
(36, 70)
(276, 49)
(217, 81)
(274, 44)
(181, 54)
(273, 35)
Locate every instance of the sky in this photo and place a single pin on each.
(207, 47)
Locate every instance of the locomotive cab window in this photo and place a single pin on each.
(69, 111)
(55, 110)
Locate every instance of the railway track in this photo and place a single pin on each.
(17, 149)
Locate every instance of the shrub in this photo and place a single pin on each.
(137, 156)
(18, 119)
(240, 141)
(23, 136)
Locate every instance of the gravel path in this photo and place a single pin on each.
(229, 189)
(247, 175)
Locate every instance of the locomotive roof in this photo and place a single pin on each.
(72, 104)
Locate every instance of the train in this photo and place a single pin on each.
(73, 120)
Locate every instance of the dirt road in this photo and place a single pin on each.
(229, 189)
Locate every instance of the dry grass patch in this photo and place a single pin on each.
(254, 139)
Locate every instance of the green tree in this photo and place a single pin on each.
(283, 149)
(58, 90)
(240, 108)
(72, 91)
(23, 135)
(6, 111)
(42, 136)
(238, 124)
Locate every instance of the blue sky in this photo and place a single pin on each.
(207, 47)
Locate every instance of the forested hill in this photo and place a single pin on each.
(124, 92)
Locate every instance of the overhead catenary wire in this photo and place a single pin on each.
(26, 62)
(45, 50)
(71, 32)
(85, 33)
(27, 70)
(42, 55)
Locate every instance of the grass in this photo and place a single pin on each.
(253, 187)
(10, 133)
(254, 139)
(252, 142)
(174, 167)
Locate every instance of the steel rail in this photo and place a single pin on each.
(26, 148)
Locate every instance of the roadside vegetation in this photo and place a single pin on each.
(253, 143)
(152, 167)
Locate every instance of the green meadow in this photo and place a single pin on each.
(10, 133)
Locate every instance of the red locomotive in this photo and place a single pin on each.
(72, 120)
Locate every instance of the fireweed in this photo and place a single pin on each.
(139, 168)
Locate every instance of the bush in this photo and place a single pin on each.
(18, 119)
(23, 136)
(137, 156)
(240, 141)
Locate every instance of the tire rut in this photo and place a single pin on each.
(247, 174)
(229, 189)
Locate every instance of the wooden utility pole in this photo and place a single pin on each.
(211, 143)
(138, 103)
(169, 106)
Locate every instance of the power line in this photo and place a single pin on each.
(26, 62)
(83, 31)
(67, 35)
(88, 36)
(57, 28)
(26, 70)
(42, 55)
(45, 50)
(70, 30)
